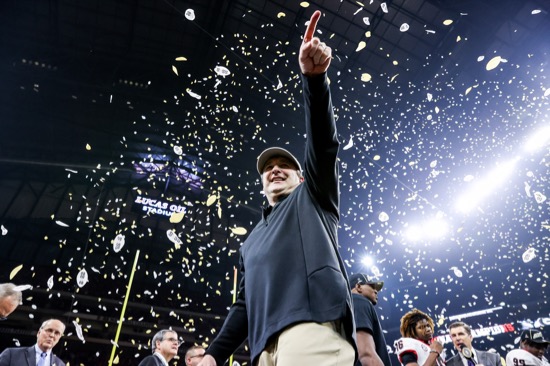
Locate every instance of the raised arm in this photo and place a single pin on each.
(315, 55)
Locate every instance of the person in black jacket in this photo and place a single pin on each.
(294, 302)
(371, 343)
(165, 345)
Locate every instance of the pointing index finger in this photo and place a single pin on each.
(311, 26)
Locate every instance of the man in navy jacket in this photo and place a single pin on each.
(294, 302)
(47, 337)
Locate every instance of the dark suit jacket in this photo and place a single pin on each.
(24, 356)
(484, 358)
(149, 361)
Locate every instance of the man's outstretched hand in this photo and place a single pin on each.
(315, 55)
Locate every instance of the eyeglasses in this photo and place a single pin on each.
(53, 331)
(173, 340)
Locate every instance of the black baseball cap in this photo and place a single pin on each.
(363, 279)
(534, 335)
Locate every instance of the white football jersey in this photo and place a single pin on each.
(520, 357)
(421, 349)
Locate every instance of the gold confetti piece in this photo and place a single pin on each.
(447, 22)
(458, 38)
(304, 4)
(376, 157)
(366, 77)
(360, 46)
(238, 230)
(211, 200)
(219, 212)
(468, 90)
(368, 34)
(493, 63)
(393, 77)
(181, 58)
(281, 15)
(88, 147)
(15, 270)
(176, 217)
(175, 70)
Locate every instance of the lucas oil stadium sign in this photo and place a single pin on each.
(152, 206)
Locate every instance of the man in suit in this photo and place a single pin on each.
(461, 335)
(194, 355)
(10, 298)
(40, 354)
(165, 346)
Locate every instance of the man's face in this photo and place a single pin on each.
(369, 292)
(460, 336)
(48, 336)
(7, 306)
(279, 178)
(194, 357)
(169, 345)
(423, 330)
(536, 349)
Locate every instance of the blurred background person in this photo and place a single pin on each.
(417, 346)
(194, 355)
(10, 299)
(531, 350)
(165, 345)
(461, 335)
(371, 343)
(40, 354)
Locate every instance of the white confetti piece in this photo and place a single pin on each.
(61, 223)
(190, 14)
(194, 95)
(349, 144)
(78, 329)
(384, 7)
(118, 243)
(49, 283)
(221, 71)
(4, 230)
(528, 255)
(539, 197)
(366, 20)
(404, 27)
(23, 287)
(178, 150)
(173, 237)
(383, 217)
(82, 278)
(457, 272)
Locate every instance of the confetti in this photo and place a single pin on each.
(14, 271)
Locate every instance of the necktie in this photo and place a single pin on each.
(42, 360)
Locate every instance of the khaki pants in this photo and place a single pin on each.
(308, 344)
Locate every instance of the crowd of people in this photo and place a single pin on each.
(296, 304)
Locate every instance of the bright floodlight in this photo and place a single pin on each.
(538, 140)
(367, 261)
(485, 186)
(413, 233)
(428, 230)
